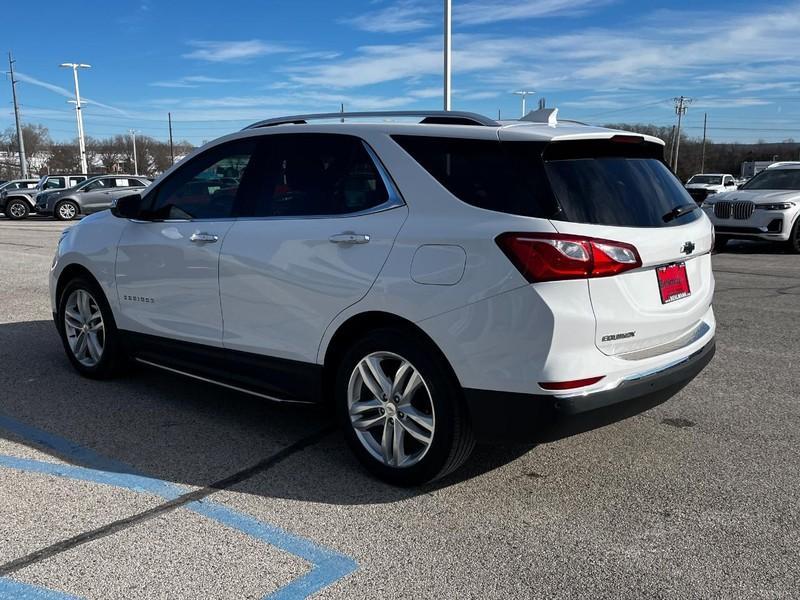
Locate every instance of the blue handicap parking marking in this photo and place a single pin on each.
(17, 590)
(327, 566)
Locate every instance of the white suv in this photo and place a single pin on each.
(440, 281)
(767, 207)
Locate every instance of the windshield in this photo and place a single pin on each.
(707, 179)
(774, 179)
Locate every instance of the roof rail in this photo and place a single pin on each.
(441, 117)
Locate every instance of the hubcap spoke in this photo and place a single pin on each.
(373, 365)
(398, 446)
(365, 406)
(386, 441)
(419, 418)
(416, 432)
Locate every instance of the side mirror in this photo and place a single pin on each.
(127, 207)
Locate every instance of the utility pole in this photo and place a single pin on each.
(671, 144)
(524, 94)
(703, 156)
(171, 147)
(681, 103)
(447, 49)
(23, 162)
(135, 162)
(79, 114)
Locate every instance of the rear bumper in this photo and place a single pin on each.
(505, 416)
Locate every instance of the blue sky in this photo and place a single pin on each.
(220, 65)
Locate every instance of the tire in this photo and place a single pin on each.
(66, 210)
(17, 209)
(436, 403)
(793, 244)
(720, 242)
(71, 315)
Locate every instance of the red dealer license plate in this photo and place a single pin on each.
(673, 282)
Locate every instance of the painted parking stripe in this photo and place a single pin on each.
(16, 590)
(327, 566)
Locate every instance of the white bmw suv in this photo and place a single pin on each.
(767, 207)
(440, 281)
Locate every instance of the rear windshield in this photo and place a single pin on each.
(774, 179)
(707, 179)
(596, 182)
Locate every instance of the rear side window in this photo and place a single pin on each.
(54, 183)
(505, 177)
(316, 175)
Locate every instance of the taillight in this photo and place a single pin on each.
(555, 256)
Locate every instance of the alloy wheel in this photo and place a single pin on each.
(390, 409)
(16, 210)
(67, 211)
(84, 327)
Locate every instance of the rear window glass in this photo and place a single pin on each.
(624, 192)
(597, 182)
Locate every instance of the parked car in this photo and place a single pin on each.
(767, 207)
(440, 282)
(9, 197)
(92, 195)
(22, 202)
(703, 185)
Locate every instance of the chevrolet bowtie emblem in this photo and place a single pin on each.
(688, 248)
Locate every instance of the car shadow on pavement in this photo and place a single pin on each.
(754, 247)
(188, 432)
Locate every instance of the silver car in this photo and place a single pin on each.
(767, 207)
(93, 195)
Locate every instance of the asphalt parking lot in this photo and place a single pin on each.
(154, 486)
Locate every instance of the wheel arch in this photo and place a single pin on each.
(360, 324)
(70, 272)
(26, 199)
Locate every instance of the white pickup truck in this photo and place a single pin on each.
(702, 185)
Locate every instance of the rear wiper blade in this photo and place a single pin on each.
(679, 211)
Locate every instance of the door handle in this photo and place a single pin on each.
(348, 237)
(208, 238)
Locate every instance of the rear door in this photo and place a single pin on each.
(621, 191)
(321, 226)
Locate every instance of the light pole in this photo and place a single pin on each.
(23, 163)
(447, 47)
(81, 140)
(524, 94)
(135, 162)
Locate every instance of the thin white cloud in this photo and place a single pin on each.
(406, 16)
(191, 81)
(481, 12)
(401, 17)
(232, 51)
(65, 92)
